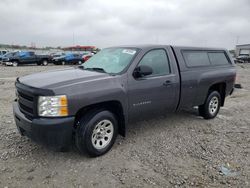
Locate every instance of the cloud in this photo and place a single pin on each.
(107, 23)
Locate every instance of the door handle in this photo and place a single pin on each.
(167, 83)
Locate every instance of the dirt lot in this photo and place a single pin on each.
(179, 150)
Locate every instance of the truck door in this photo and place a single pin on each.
(28, 57)
(156, 93)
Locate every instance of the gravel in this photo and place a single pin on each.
(176, 150)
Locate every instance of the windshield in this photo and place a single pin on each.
(111, 60)
(9, 54)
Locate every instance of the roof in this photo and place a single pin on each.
(145, 46)
(198, 48)
(141, 46)
(243, 45)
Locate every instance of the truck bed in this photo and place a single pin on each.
(197, 80)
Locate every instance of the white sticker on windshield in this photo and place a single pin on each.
(128, 51)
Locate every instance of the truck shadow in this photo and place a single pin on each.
(169, 121)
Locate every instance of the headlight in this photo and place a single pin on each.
(52, 106)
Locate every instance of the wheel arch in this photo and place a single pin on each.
(14, 60)
(44, 58)
(221, 88)
(113, 106)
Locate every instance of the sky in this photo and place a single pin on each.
(104, 23)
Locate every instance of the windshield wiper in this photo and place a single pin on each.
(97, 69)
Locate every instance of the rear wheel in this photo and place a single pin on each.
(79, 62)
(211, 106)
(96, 132)
(63, 63)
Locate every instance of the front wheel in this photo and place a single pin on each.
(211, 107)
(14, 63)
(96, 132)
(63, 63)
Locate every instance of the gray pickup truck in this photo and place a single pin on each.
(91, 104)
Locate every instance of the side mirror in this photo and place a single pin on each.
(142, 70)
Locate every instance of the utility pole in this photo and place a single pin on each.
(237, 39)
(237, 42)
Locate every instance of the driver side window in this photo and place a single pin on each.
(158, 61)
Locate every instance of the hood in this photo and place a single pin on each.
(61, 77)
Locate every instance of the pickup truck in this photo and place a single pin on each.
(91, 104)
(27, 57)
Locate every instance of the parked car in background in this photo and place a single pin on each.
(2, 53)
(69, 58)
(94, 102)
(28, 57)
(6, 57)
(243, 59)
(57, 54)
(86, 57)
(58, 60)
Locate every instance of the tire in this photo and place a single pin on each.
(45, 62)
(15, 63)
(79, 62)
(63, 63)
(211, 107)
(96, 132)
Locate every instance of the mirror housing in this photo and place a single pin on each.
(142, 70)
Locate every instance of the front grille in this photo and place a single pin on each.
(30, 98)
(26, 108)
(27, 98)
(26, 101)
